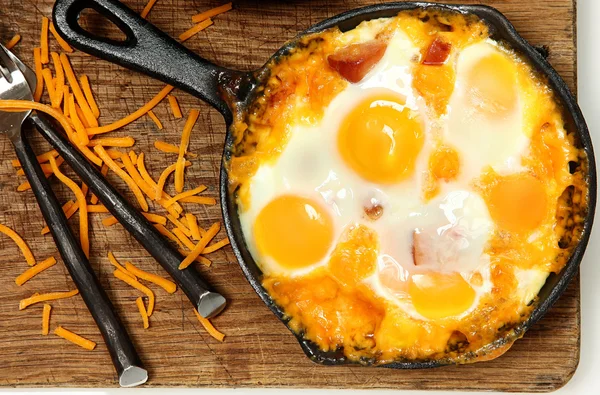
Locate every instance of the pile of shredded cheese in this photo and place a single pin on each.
(72, 103)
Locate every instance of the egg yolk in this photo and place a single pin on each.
(355, 258)
(492, 81)
(518, 203)
(380, 140)
(439, 295)
(294, 231)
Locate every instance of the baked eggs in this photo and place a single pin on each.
(406, 187)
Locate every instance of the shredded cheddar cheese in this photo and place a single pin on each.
(185, 141)
(110, 221)
(195, 30)
(24, 303)
(211, 13)
(155, 119)
(83, 217)
(97, 208)
(189, 193)
(13, 41)
(69, 210)
(113, 261)
(46, 319)
(34, 270)
(122, 142)
(167, 233)
(193, 225)
(41, 158)
(171, 149)
(165, 284)
(124, 176)
(140, 305)
(184, 239)
(147, 8)
(44, 41)
(175, 109)
(89, 96)
(139, 286)
(75, 338)
(179, 225)
(77, 92)
(135, 115)
(214, 247)
(209, 327)
(63, 44)
(208, 236)
(39, 87)
(59, 86)
(20, 243)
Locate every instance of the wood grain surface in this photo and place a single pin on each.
(258, 349)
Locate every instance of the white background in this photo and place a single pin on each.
(587, 377)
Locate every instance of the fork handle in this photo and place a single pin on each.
(207, 302)
(124, 356)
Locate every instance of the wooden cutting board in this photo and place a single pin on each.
(258, 349)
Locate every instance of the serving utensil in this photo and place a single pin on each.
(17, 83)
(151, 51)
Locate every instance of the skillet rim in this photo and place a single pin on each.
(499, 26)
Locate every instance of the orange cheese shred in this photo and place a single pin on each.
(20, 243)
(162, 180)
(133, 157)
(165, 284)
(214, 247)
(175, 209)
(199, 200)
(211, 13)
(59, 86)
(34, 270)
(122, 142)
(66, 95)
(75, 338)
(110, 221)
(69, 211)
(97, 208)
(135, 115)
(140, 305)
(147, 8)
(168, 234)
(200, 259)
(170, 148)
(139, 286)
(206, 238)
(63, 44)
(77, 92)
(179, 225)
(155, 119)
(175, 109)
(24, 303)
(39, 87)
(185, 194)
(195, 30)
(104, 172)
(89, 96)
(13, 41)
(45, 167)
(47, 76)
(41, 158)
(209, 327)
(193, 225)
(155, 218)
(183, 146)
(44, 41)
(113, 261)
(184, 239)
(46, 319)
(83, 217)
(82, 137)
(123, 175)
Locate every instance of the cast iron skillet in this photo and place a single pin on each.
(150, 51)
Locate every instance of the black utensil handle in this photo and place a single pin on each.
(121, 349)
(146, 49)
(207, 303)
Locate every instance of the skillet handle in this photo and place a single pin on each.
(124, 356)
(146, 49)
(206, 302)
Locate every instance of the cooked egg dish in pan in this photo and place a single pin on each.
(406, 187)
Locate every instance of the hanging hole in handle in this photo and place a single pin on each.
(104, 28)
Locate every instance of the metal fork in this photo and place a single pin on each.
(15, 84)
